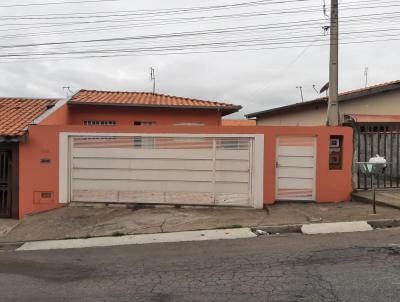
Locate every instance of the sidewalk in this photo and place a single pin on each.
(390, 198)
(86, 222)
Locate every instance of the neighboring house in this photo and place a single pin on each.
(15, 116)
(381, 100)
(374, 114)
(114, 108)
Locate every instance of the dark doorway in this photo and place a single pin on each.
(8, 181)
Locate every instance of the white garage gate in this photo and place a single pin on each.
(190, 169)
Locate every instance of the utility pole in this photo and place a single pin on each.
(333, 106)
(301, 92)
(153, 78)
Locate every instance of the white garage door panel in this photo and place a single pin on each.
(159, 186)
(225, 187)
(232, 199)
(291, 161)
(295, 151)
(232, 165)
(232, 154)
(140, 185)
(181, 170)
(94, 195)
(295, 172)
(143, 197)
(232, 176)
(296, 194)
(115, 174)
(143, 163)
(295, 183)
(189, 198)
(142, 153)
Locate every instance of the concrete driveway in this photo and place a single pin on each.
(83, 222)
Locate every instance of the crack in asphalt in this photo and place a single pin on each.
(200, 272)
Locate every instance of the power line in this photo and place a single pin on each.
(56, 3)
(158, 36)
(370, 19)
(153, 21)
(190, 52)
(79, 15)
(167, 10)
(182, 47)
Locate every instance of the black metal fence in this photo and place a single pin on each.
(5, 183)
(372, 139)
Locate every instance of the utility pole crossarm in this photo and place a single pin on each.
(333, 105)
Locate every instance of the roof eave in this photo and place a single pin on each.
(343, 97)
(230, 109)
(285, 108)
(11, 138)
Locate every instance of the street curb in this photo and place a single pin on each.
(279, 229)
(174, 237)
(296, 228)
(7, 247)
(384, 223)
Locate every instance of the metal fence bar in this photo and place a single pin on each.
(382, 139)
(358, 155)
(365, 157)
(5, 193)
(397, 157)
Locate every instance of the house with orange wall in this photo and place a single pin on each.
(114, 108)
(15, 116)
(128, 147)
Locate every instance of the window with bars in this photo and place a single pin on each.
(144, 123)
(376, 128)
(99, 123)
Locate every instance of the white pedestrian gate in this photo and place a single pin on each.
(295, 168)
(162, 169)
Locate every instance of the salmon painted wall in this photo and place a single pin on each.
(125, 116)
(331, 185)
(58, 117)
(39, 160)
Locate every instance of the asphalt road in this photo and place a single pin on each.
(337, 267)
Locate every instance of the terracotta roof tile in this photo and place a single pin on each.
(145, 99)
(381, 85)
(17, 113)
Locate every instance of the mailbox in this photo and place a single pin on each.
(376, 165)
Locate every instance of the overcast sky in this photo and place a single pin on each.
(257, 76)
